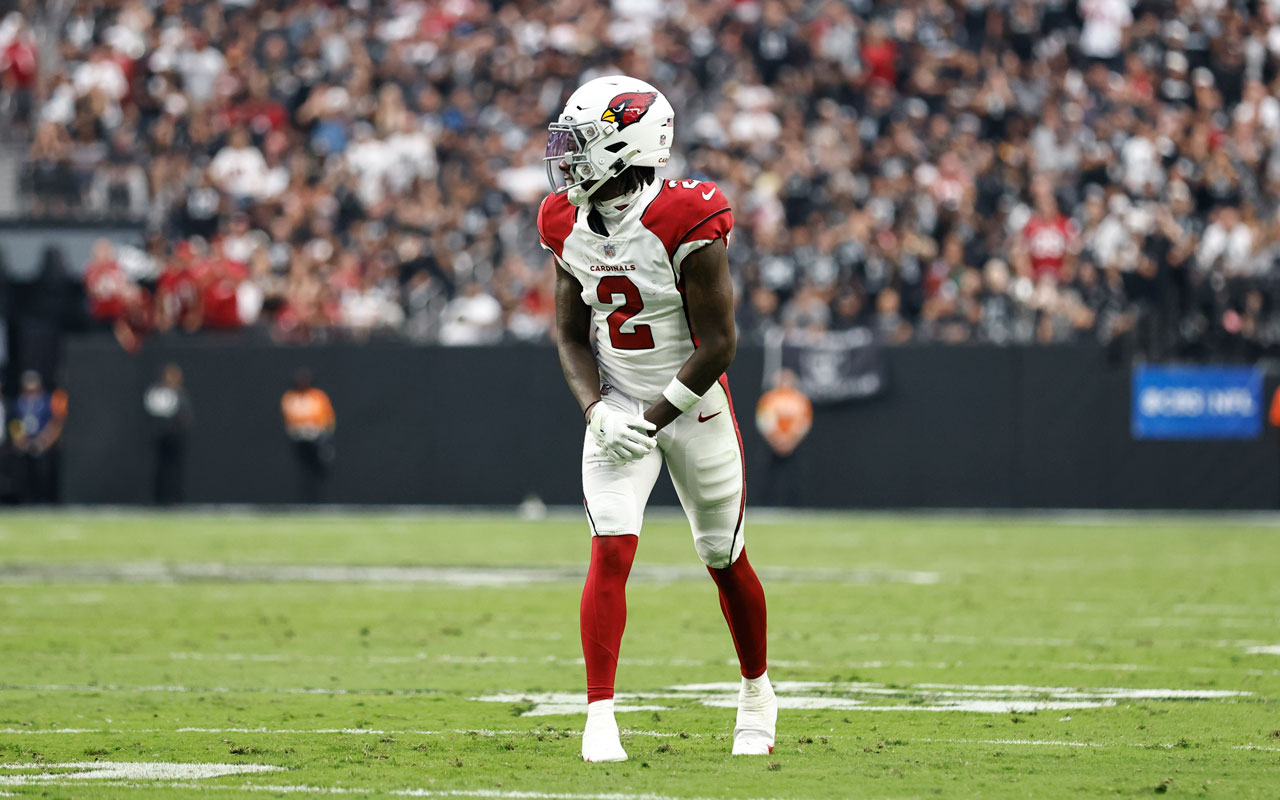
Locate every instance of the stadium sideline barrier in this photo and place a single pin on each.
(972, 426)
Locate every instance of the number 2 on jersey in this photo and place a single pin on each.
(642, 337)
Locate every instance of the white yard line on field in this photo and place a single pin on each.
(484, 577)
(855, 695)
(1026, 742)
(71, 687)
(446, 658)
(489, 733)
(495, 794)
(349, 731)
(576, 661)
(863, 696)
(81, 771)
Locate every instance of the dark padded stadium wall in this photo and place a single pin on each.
(980, 427)
(415, 425)
(1076, 445)
(942, 435)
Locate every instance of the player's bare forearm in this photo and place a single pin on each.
(709, 298)
(573, 341)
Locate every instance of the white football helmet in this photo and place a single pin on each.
(608, 124)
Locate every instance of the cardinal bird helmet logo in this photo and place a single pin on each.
(628, 108)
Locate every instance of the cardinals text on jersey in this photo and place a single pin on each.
(632, 278)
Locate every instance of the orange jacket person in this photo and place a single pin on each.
(309, 422)
(784, 416)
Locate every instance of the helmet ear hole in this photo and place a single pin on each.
(616, 146)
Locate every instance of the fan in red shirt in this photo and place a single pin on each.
(880, 54)
(257, 109)
(19, 60)
(219, 278)
(115, 299)
(178, 293)
(1049, 236)
(105, 284)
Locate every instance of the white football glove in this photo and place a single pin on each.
(622, 436)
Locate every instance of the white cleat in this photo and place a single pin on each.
(600, 741)
(757, 723)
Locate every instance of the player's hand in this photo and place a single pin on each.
(622, 436)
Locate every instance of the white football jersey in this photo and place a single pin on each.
(632, 278)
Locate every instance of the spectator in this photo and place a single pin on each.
(10, 470)
(200, 65)
(473, 318)
(1105, 23)
(115, 301)
(1049, 236)
(1227, 243)
(19, 68)
(239, 168)
(784, 416)
(39, 416)
(178, 296)
(101, 76)
(168, 406)
(309, 423)
(380, 161)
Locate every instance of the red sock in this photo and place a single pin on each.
(742, 601)
(603, 613)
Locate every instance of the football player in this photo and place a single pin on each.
(641, 261)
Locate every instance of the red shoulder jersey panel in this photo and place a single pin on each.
(556, 216)
(688, 211)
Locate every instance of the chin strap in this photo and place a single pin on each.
(579, 196)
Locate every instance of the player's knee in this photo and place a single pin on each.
(716, 551)
(614, 525)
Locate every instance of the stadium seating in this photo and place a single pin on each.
(946, 171)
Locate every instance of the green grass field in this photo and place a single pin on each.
(437, 656)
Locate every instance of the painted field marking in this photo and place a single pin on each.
(123, 770)
(1019, 742)
(1029, 641)
(302, 658)
(1264, 650)
(922, 697)
(486, 732)
(411, 792)
(446, 658)
(51, 778)
(864, 696)
(795, 695)
(72, 687)
(467, 577)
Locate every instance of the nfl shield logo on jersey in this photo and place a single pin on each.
(610, 250)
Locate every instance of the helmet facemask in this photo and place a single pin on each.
(573, 145)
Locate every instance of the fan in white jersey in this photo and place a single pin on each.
(642, 262)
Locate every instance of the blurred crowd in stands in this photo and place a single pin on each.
(943, 170)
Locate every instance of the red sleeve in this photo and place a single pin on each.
(688, 211)
(556, 216)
